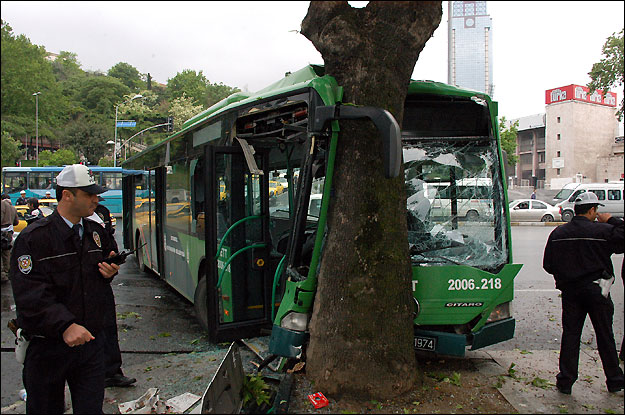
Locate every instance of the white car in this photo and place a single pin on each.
(532, 210)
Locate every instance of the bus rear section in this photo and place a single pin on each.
(458, 226)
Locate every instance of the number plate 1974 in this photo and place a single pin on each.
(425, 343)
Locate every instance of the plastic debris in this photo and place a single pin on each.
(318, 400)
(143, 405)
(150, 403)
(181, 403)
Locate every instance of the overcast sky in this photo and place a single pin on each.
(536, 45)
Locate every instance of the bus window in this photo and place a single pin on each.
(40, 180)
(459, 224)
(14, 182)
(112, 181)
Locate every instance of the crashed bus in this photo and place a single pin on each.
(246, 252)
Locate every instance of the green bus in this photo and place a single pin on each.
(232, 210)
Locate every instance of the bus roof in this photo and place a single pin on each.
(57, 168)
(310, 76)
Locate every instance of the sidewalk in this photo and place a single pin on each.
(532, 387)
(528, 386)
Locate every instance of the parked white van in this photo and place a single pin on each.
(610, 194)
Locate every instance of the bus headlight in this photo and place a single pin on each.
(500, 312)
(295, 321)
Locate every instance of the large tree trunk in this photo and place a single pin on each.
(361, 331)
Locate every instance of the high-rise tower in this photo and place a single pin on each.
(470, 60)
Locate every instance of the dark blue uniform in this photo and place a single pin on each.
(56, 282)
(577, 254)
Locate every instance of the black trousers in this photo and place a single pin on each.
(112, 354)
(50, 363)
(575, 306)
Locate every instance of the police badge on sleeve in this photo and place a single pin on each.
(25, 264)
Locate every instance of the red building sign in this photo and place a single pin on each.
(579, 93)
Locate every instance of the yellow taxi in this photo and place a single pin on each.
(22, 211)
(275, 188)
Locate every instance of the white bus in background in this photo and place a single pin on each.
(473, 198)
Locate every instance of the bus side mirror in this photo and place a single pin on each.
(384, 122)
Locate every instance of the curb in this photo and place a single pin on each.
(536, 223)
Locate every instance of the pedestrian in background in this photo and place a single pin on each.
(578, 254)
(533, 196)
(59, 281)
(8, 219)
(33, 207)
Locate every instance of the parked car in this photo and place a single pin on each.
(275, 188)
(530, 210)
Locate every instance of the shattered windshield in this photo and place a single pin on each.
(455, 203)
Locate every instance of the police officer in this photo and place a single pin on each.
(578, 254)
(112, 353)
(22, 199)
(59, 281)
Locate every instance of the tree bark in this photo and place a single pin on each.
(361, 333)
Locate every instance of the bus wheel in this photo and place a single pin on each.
(200, 302)
(472, 215)
(139, 256)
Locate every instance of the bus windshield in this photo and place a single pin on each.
(453, 208)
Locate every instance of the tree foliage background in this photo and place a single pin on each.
(608, 72)
(77, 107)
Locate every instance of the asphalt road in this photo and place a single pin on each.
(153, 320)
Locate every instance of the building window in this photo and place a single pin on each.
(558, 172)
(558, 154)
(559, 137)
(558, 120)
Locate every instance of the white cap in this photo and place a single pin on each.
(587, 198)
(79, 175)
(23, 191)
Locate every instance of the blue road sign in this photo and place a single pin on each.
(126, 124)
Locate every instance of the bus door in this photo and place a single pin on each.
(238, 244)
(128, 203)
(157, 207)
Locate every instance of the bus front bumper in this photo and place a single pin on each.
(285, 342)
(452, 344)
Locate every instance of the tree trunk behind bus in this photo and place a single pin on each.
(361, 330)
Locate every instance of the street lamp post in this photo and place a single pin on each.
(116, 108)
(36, 94)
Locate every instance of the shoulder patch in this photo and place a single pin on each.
(25, 264)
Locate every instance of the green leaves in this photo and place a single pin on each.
(255, 390)
(608, 72)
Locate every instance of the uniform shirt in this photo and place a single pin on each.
(55, 278)
(578, 252)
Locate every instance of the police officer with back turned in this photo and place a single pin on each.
(577, 254)
(59, 281)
